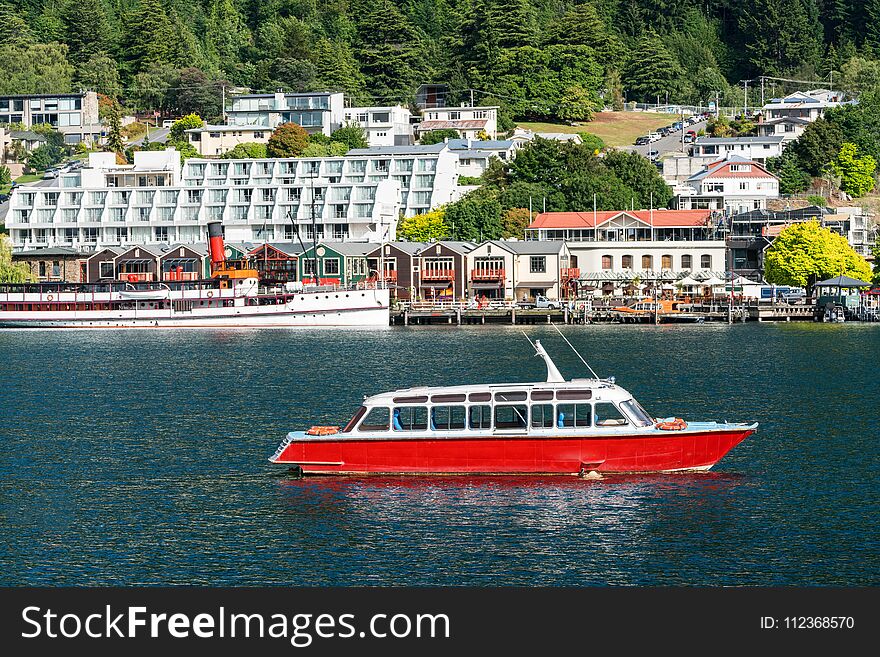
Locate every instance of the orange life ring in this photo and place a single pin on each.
(49, 297)
(132, 278)
(676, 424)
(322, 431)
(210, 293)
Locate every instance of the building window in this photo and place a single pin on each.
(538, 264)
(647, 262)
(705, 261)
(42, 269)
(666, 262)
(626, 262)
(106, 270)
(331, 266)
(743, 186)
(607, 262)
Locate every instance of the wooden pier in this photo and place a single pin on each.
(421, 314)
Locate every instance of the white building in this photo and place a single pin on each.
(733, 185)
(73, 115)
(808, 105)
(750, 148)
(384, 126)
(214, 140)
(516, 270)
(316, 112)
(790, 128)
(158, 199)
(469, 121)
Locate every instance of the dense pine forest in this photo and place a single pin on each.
(538, 58)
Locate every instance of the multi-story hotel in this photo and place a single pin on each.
(159, 199)
(73, 115)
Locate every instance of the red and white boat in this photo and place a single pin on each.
(555, 427)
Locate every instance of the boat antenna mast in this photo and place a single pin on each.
(553, 374)
(595, 376)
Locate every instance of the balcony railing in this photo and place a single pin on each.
(491, 274)
(136, 277)
(438, 274)
(180, 276)
(567, 273)
(389, 275)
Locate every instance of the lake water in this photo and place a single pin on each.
(140, 457)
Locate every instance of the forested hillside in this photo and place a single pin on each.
(539, 58)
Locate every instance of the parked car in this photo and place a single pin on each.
(167, 123)
(654, 136)
(641, 141)
(4, 198)
(652, 154)
(540, 302)
(48, 174)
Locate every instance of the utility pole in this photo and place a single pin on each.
(762, 91)
(472, 97)
(223, 103)
(746, 99)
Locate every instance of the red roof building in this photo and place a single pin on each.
(623, 225)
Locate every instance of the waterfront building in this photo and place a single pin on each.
(518, 270)
(54, 265)
(734, 184)
(610, 247)
(321, 111)
(396, 263)
(470, 122)
(383, 126)
(440, 270)
(278, 262)
(757, 149)
(158, 199)
(215, 140)
(336, 263)
(74, 115)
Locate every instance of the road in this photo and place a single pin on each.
(156, 135)
(669, 144)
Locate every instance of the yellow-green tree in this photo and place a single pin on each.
(424, 227)
(11, 272)
(806, 253)
(856, 173)
(515, 221)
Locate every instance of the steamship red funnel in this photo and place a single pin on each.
(215, 244)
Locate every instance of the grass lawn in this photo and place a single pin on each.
(28, 177)
(614, 128)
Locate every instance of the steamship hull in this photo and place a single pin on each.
(309, 309)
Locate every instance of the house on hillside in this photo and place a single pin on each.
(468, 121)
(808, 105)
(757, 149)
(735, 184)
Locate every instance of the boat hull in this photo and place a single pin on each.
(654, 451)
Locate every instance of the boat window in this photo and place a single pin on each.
(542, 395)
(376, 420)
(542, 415)
(514, 416)
(519, 395)
(636, 413)
(480, 416)
(607, 415)
(354, 419)
(479, 396)
(447, 417)
(446, 399)
(420, 399)
(574, 394)
(410, 418)
(569, 416)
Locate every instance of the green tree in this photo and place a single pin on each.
(11, 272)
(805, 253)
(5, 176)
(514, 223)
(427, 227)
(195, 93)
(876, 252)
(337, 69)
(475, 217)
(818, 145)
(860, 75)
(856, 173)
(246, 151)
(576, 104)
(43, 157)
(86, 30)
(651, 71)
(150, 38)
(152, 89)
(179, 127)
(13, 27)
(352, 135)
(438, 136)
(114, 136)
(227, 35)
(34, 68)
(792, 178)
(640, 175)
(288, 140)
(100, 74)
(781, 35)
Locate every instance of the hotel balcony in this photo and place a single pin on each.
(493, 274)
(438, 274)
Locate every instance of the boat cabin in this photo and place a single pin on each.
(529, 408)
